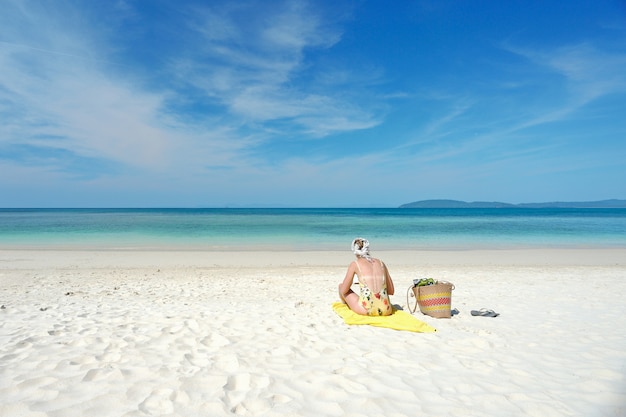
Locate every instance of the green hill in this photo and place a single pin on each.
(614, 203)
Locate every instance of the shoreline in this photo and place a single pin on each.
(53, 257)
(302, 247)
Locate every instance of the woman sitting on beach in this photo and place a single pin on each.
(374, 281)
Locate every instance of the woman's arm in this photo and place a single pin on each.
(344, 287)
(390, 288)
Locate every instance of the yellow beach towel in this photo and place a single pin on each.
(399, 320)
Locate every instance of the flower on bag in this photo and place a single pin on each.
(377, 295)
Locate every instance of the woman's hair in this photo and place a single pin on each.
(361, 247)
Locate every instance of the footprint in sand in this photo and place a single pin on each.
(226, 362)
(241, 394)
(238, 382)
(197, 360)
(159, 402)
(99, 374)
(215, 340)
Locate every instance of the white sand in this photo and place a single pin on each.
(252, 333)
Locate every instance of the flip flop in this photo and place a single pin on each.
(483, 312)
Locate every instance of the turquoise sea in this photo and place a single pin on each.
(306, 229)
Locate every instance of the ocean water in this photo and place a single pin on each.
(310, 229)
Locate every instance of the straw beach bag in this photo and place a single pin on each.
(434, 300)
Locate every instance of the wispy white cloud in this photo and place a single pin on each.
(62, 90)
(251, 64)
(503, 125)
(67, 105)
(588, 73)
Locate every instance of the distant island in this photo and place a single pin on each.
(496, 204)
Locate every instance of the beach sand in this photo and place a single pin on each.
(184, 333)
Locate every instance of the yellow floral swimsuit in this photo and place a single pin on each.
(376, 304)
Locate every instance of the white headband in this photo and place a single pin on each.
(364, 252)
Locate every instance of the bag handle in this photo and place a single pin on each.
(407, 298)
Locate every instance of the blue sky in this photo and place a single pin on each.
(310, 103)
